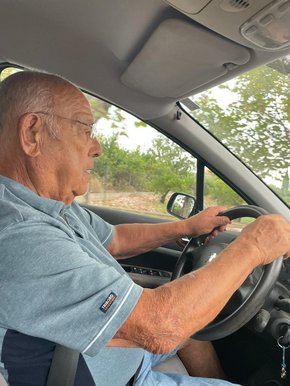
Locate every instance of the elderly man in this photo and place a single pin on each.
(60, 282)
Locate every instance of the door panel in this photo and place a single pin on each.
(149, 269)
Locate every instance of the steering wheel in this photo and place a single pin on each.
(252, 296)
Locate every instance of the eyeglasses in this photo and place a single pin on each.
(91, 126)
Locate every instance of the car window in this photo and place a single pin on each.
(251, 116)
(8, 71)
(140, 168)
(217, 192)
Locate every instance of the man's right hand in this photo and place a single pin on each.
(270, 234)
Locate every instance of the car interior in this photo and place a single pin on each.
(147, 63)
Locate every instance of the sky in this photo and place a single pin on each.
(136, 136)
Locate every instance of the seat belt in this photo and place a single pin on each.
(63, 367)
(132, 381)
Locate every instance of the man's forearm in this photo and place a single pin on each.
(134, 239)
(177, 310)
(166, 316)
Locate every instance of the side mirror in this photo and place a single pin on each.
(181, 205)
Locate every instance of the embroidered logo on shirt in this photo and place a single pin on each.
(108, 302)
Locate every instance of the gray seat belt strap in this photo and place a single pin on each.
(132, 381)
(63, 367)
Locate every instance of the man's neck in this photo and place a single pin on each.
(39, 183)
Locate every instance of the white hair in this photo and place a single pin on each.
(29, 91)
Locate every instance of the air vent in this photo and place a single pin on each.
(235, 5)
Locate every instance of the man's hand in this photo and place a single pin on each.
(206, 222)
(270, 234)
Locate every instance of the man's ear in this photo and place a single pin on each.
(29, 133)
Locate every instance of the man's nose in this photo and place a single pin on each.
(95, 148)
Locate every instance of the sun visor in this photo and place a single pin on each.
(180, 57)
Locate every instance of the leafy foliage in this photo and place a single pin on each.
(165, 167)
(162, 169)
(219, 193)
(172, 168)
(255, 124)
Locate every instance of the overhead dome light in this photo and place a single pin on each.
(270, 28)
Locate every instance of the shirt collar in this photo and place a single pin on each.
(46, 205)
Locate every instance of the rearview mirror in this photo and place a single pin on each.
(181, 205)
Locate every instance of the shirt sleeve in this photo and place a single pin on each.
(104, 230)
(54, 290)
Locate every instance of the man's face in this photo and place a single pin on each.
(70, 156)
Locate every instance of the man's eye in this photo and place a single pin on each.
(89, 133)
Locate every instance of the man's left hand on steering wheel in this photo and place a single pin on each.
(209, 221)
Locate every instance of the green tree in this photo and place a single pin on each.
(119, 168)
(219, 193)
(172, 169)
(165, 167)
(255, 124)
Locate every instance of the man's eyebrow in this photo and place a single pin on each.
(83, 117)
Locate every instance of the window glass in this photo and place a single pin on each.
(8, 71)
(217, 192)
(139, 167)
(251, 115)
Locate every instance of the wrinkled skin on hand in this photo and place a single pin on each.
(207, 221)
(271, 236)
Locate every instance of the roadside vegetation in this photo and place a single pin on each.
(253, 122)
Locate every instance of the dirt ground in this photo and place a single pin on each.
(140, 202)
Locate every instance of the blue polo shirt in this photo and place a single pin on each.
(60, 285)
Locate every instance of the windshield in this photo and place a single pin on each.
(251, 116)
